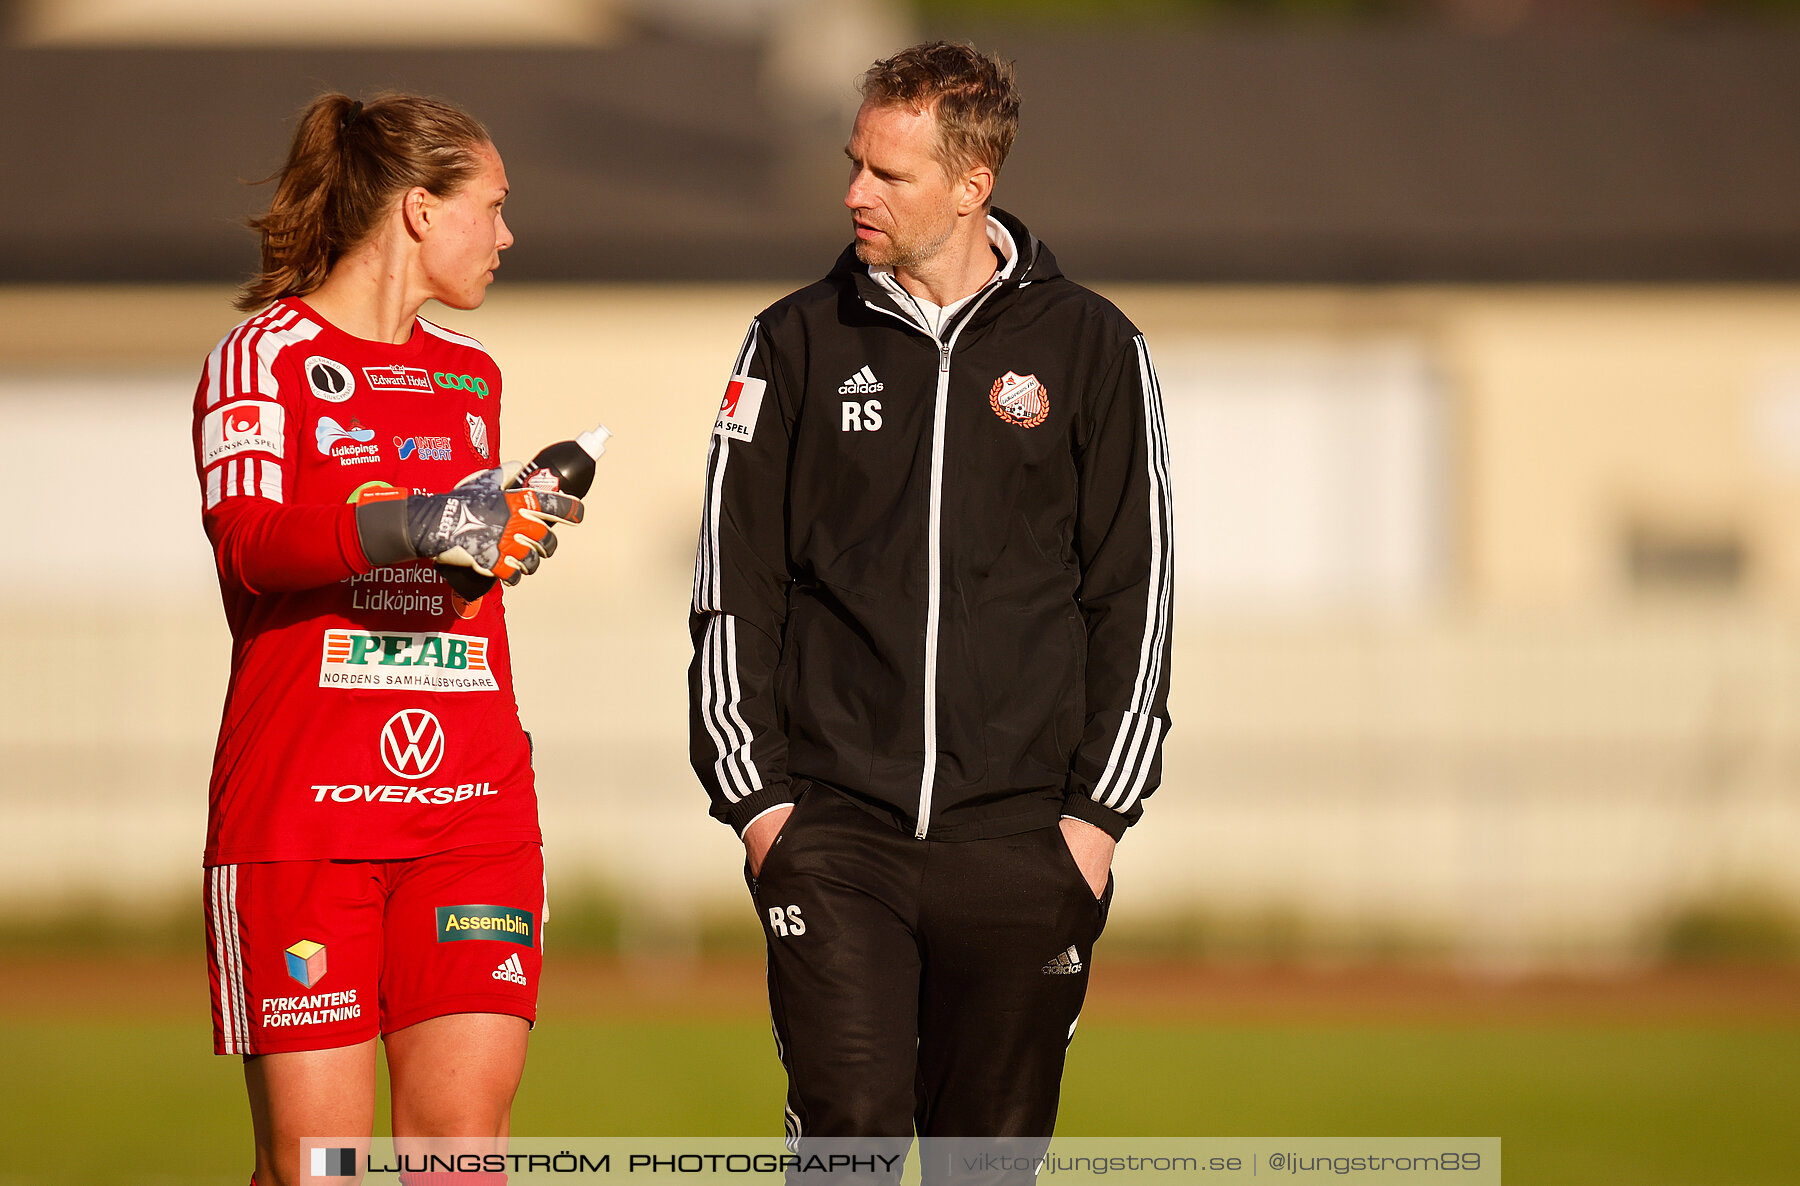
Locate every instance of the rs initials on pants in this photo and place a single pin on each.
(786, 920)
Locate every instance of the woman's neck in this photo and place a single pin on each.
(370, 293)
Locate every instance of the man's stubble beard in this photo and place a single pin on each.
(904, 253)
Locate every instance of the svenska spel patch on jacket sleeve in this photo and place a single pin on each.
(738, 410)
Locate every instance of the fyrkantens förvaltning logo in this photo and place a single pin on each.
(306, 962)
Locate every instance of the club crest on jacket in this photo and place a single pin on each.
(1019, 399)
(478, 434)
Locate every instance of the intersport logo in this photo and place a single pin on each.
(412, 743)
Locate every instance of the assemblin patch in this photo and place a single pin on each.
(485, 922)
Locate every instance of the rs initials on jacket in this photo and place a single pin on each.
(861, 417)
(786, 920)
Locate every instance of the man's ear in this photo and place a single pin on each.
(977, 188)
(416, 209)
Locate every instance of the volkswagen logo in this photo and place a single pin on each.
(412, 743)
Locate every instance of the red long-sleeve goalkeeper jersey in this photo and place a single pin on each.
(364, 718)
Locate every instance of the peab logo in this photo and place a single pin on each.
(412, 743)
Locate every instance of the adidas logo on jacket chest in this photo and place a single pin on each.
(1018, 400)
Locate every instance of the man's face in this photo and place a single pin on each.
(901, 200)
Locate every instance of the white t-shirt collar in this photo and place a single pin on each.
(935, 316)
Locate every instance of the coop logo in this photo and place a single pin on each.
(425, 448)
(329, 379)
(250, 425)
(471, 383)
(485, 922)
(350, 446)
(738, 410)
(397, 378)
(412, 743)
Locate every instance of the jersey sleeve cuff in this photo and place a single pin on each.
(1079, 806)
(378, 531)
(744, 812)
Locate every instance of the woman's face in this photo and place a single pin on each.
(464, 235)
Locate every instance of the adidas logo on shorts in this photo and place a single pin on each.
(862, 382)
(1066, 963)
(510, 969)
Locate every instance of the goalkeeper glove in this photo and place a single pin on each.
(478, 524)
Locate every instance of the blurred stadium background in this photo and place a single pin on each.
(1479, 329)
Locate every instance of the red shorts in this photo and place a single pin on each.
(307, 955)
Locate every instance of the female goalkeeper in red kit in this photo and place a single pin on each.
(373, 859)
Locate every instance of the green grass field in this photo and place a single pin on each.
(1590, 1100)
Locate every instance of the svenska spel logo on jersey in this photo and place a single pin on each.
(412, 743)
(395, 377)
(485, 922)
(246, 426)
(739, 409)
(1019, 400)
(329, 379)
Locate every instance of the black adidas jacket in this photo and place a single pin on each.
(936, 574)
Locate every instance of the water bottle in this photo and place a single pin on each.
(567, 467)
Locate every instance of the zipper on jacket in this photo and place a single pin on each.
(934, 552)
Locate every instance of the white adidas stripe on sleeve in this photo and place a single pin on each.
(1140, 732)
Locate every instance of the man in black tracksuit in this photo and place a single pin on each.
(931, 630)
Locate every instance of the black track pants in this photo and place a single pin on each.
(919, 983)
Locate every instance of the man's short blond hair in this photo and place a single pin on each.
(973, 96)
